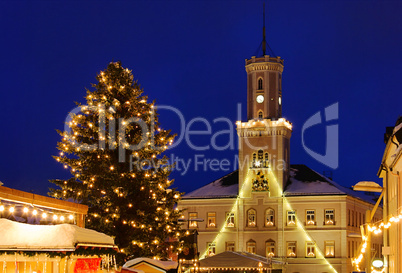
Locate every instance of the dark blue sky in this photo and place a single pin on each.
(190, 55)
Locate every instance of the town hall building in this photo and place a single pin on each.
(268, 207)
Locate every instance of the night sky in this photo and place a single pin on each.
(190, 55)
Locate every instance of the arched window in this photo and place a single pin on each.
(270, 248)
(269, 218)
(266, 160)
(260, 84)
(251, 218)
(260, 114)
(250, 246)
(260, 155)
(254, 159)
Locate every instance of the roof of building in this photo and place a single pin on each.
(303, 181)
(235, 259)
(165, 265)
(63, 237)
(224, 187)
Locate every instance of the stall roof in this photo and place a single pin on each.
(63, 237)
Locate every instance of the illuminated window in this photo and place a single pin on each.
(310, 217)
(251, 246)
(310, 249)
(269, 218)
(211, 249)
(330, 249)
(266, 160)
(191, 216)
(260, 84)
(230, 222)
(291, 220)
(291, 249)
(260, 114)
(230, 246)
(251, 218)
(329, 217)
(270, 248)
(254, 159)
(211, 216)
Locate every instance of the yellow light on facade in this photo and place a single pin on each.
(1, 207)
(55, 217)
(11, 209)
(25, 209)
(34, 212)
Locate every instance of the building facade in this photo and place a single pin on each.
(271, 208)
(390, 171)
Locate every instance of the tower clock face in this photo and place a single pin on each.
(260, 98)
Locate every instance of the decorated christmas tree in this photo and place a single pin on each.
(113, 147)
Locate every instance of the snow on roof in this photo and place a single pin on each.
(15, 235)
(166, 265)
(302, 181)
(226, 186)
(305, 181)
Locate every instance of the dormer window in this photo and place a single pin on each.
(260, 84)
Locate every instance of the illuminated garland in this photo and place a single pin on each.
(32, 211)
(375, 228)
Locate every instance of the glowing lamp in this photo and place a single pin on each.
(378, 263)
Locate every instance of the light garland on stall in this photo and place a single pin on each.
(375, 229)
(29, 210)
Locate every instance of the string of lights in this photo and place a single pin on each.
(375, 228)
(22, 210)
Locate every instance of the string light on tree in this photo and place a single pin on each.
(121, 202)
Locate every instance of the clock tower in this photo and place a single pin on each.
(264, 87)
(264, 140)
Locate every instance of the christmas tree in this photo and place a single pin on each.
(113, 148)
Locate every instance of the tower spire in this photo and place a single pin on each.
(264, 41)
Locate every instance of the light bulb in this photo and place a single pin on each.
(34, 212)
(44, 215)
(25, 209)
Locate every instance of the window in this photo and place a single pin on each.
(230, 246)
(310, 217)
(291, 221)
(260, 114)
(260, 155)
(291, 249)
(254, 160)
(211, 216)
(270, 248)
(348, 217)
(251, 246)
(211, 249)
(230, 219)
(251, 218)
(329, 249)
(329, 217)
(266, 160)
(260, 84)
(269, 218)
(192, 215)
(310, 249)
